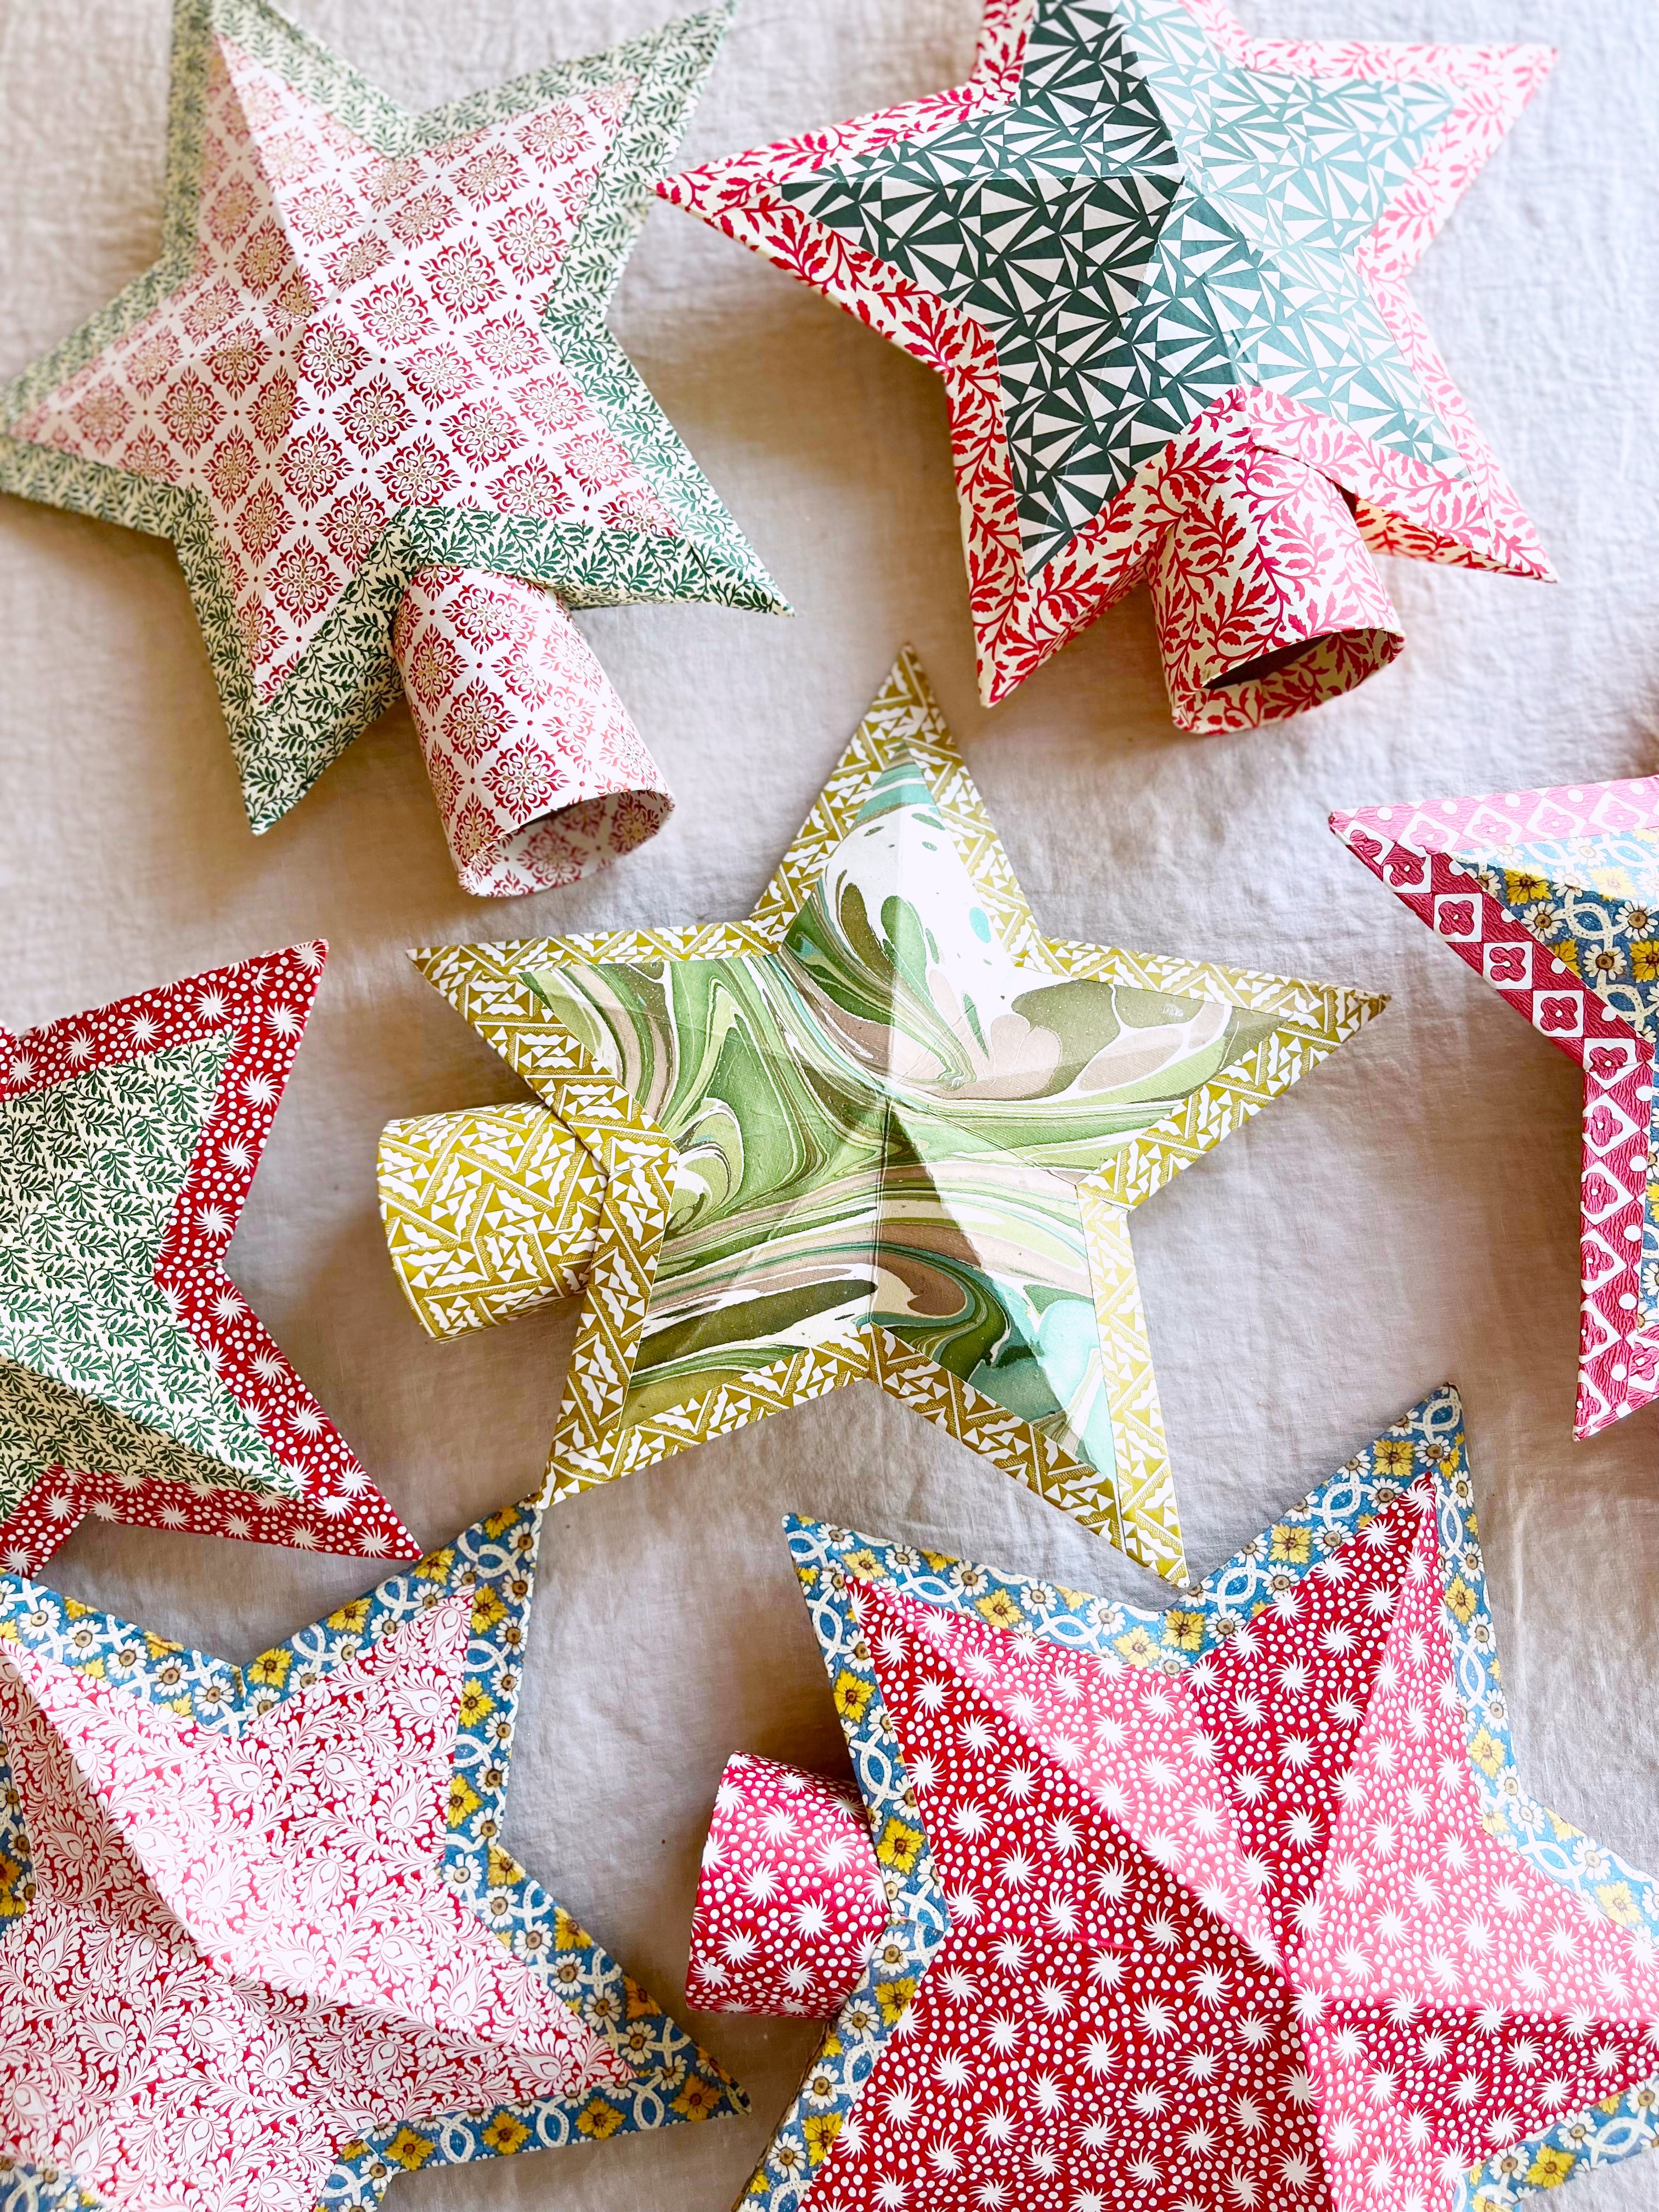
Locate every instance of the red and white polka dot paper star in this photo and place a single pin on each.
(1238, 1933)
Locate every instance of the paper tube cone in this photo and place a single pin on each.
(791, 1901)
(538, 772)
(487, 1213)
(1266, 599)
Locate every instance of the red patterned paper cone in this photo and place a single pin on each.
(791, 1901)
(1268, 601)
(538, 772)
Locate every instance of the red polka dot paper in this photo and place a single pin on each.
(790, 1901)
(1230, 1934)
(298, 1483)
(1241, 1931)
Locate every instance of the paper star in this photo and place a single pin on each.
(265, 1944)
(882, 1130)
(136, 1384)
(373, 352)
(1239, 1904)
(1553, 896)
(1161, 268)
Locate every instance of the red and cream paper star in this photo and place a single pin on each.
(136, 1384)
(1233, 1931)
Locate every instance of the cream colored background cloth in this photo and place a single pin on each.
(1409, 1214)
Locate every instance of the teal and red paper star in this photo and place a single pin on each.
(1161, 266)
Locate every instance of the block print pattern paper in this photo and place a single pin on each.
(1160, 265)
(359, 1774)
(374, 344)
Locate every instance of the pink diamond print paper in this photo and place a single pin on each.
(136, 1384)
(790, 1900)
(538, 772)
(375, 345)
(1553, 897)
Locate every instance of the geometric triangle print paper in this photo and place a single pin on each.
(1552, 896)
(1161, 267)
(883, 1130)
(136, 1384)
(367, 392)
(260, 1942)
(1240, 1903)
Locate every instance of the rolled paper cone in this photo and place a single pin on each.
(1268, 601)
(538, 772)
(487, 1213)
(791, 1901)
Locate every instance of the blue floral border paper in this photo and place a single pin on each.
(675, 2080)
(1429, 1439)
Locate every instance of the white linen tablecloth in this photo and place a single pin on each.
(1408, 1213)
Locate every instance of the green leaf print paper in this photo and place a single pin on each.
(883, 1130)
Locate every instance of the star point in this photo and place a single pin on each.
(1552, 896)
(136, 1381)
(260, 1942)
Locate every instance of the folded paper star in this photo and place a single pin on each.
(882, 1130)
(259, 1941)
(135, 1382)
(1553, 896)
(1161, 266)
(1242, 1904)
(368, 392)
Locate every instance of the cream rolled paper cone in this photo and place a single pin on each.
(487, 1213)
(1266, 599)
(538, 772)
(791, 1901)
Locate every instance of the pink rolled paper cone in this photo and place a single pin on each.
(790, 1902)
(1268, 601)
(539, 775)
